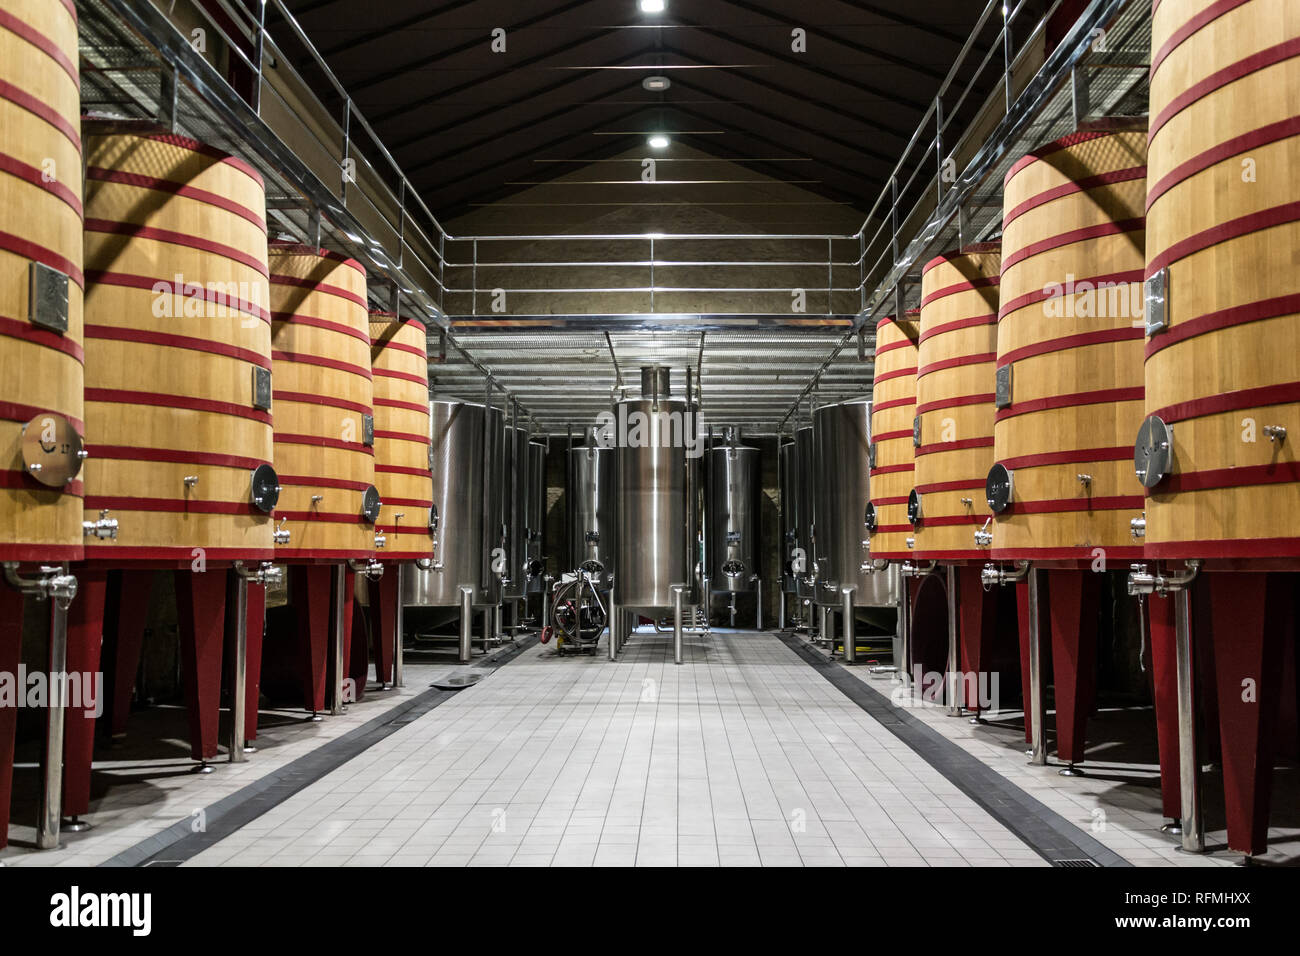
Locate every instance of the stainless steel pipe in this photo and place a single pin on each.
(850, 627)
(466, 623)
(239, 693)
(337, 596)
(954, 646)
(677, 622)
(1189, 770)
(1037, 699)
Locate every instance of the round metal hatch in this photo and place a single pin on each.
(733, 569)
(998, 488)
(914, 513)
(869, 519)
(1153, 452)
(265, 488)
(370, 505)
(457, 681)
(52, 449)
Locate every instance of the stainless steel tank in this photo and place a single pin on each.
(804, 553)
(734, 498)
(788, 480)
(658, 445)
(592, 512)
(842, 435)
(465, 455)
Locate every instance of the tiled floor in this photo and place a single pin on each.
(147, 794)
(1116, 801)
(744, 756)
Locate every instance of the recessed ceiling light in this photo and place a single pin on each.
(658, 141)
(653, 6)
(656, 84)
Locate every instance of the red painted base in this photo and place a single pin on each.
(11, 641)
(383, 610)
(85, 637)
(1074, 597)
(200, 611)
(1164, 694)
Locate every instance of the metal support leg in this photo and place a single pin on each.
(615, 620)
(850, 628)
(954, 646)
(337, 596)
(466, 623)
(51, 810)
(823, 619)
(1037, 711)
(677, 624)
(1189, 768)
(759, 615)
(239, 696)
(399, 625)
(486, 627)
(780, 612)
(732, 610)
(904, 633)
(546, 606)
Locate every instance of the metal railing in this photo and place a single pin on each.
(344, 184)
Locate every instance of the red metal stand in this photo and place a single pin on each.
(1250, 614)
(309, 586)
(11, 645)
(383, 611)
(85, 636)
(126, 614)
(977, 620)
(1164, 692)
(1073, 598)
(253, 668)
(201, 610)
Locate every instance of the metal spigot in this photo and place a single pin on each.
(316, 499)
(910, 570)
(1142, 581)
(1084, 479)
(267, 574)
(371, 568)
(381, 541)
(983, 536)
(967, 502)
(1138, 526)
(54, 582)
(1275, 432)
(190, 480)
(281, 534)
(105, 527)
(992, 574)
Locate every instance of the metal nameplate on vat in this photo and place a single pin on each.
(916, 431)
(733, 537)
(368, 430)
(871, 455)
(370, 505)
(869, 519)
(1153, 452)
(999, 487)
(914, 513)
(433, 518)
(265, 488)
(261, 388)
(1156, 302)
(52, 450)
(47, 297)
(1002, 391)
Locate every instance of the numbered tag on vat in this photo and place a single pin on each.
(1156, 302)
(1002, 389)
(368, 430)
(261, 388)
(47, 297)
(52, 450)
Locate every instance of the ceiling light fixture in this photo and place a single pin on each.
(653, 6)
(656, 84)
(658, 141)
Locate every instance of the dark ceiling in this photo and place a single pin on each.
(470, 125)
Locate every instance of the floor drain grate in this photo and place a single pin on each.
(1084, 863)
